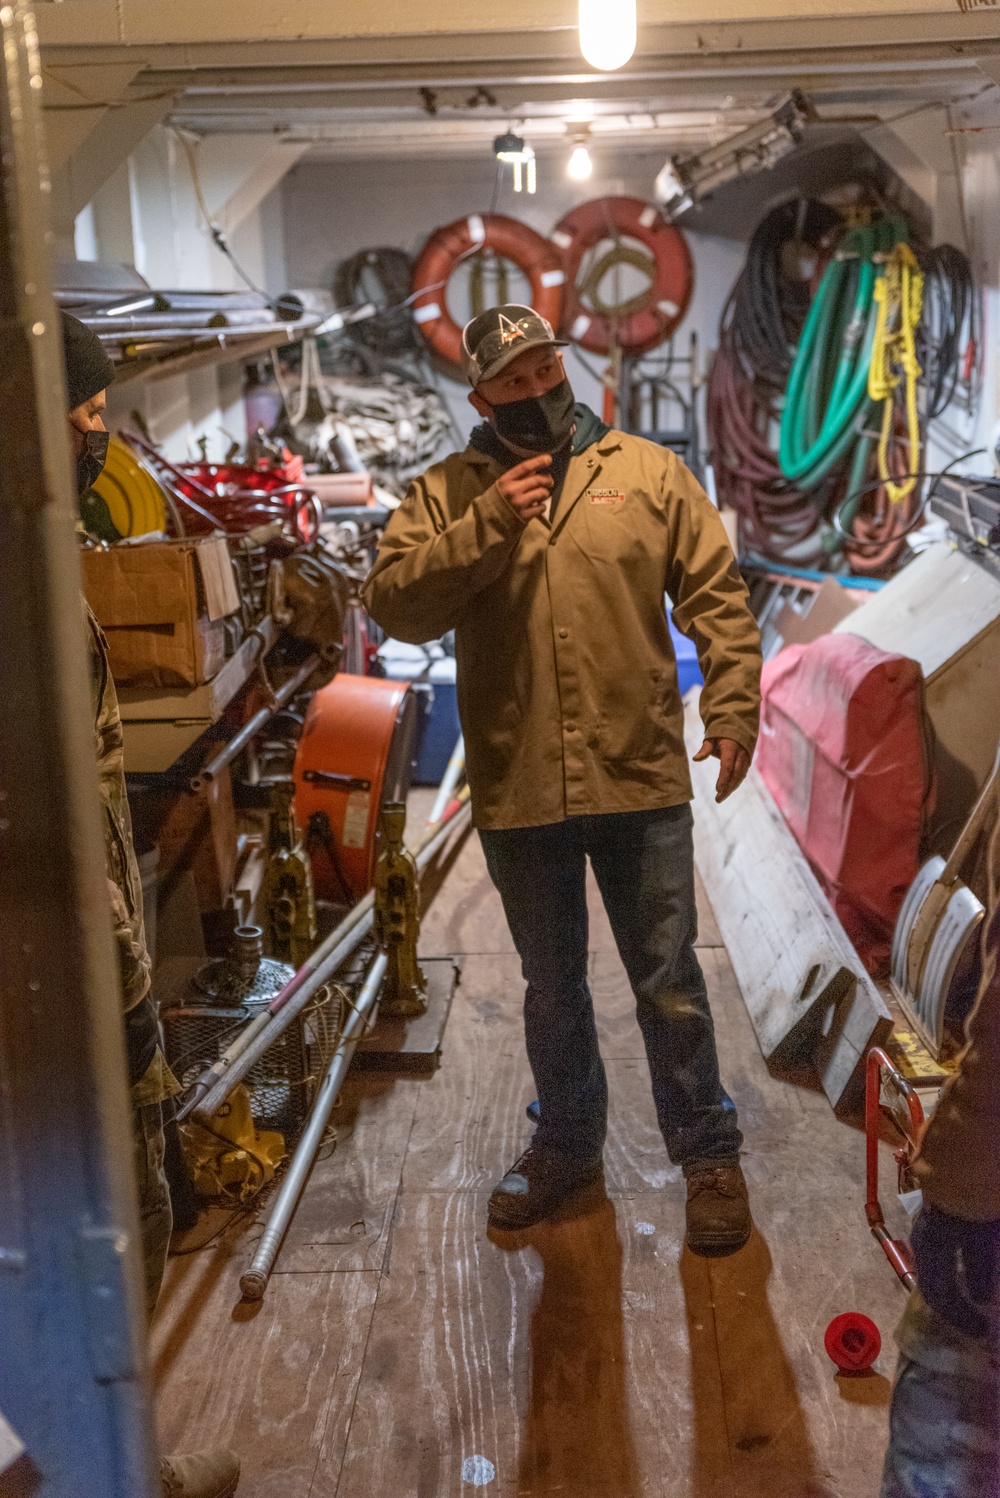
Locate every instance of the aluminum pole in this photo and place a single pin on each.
(451, 778)
(209, 1091)
(73, 1381)
(254, 1282)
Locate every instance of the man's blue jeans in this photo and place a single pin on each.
(644, 865)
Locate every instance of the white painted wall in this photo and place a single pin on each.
(147, 215)
(334, 208)
(979, 175)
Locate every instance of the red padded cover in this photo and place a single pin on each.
(843, 750)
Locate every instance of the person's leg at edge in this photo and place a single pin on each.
(540, 874)
(155, 1217)
(644, 865)
(197, 1474)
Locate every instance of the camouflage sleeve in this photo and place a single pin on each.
(124, 884)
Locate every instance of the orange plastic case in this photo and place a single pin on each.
(355, 753)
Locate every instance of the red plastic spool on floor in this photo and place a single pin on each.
(853, 1342)
(844, 752)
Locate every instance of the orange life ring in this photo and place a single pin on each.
(660, 309)
(355, 752)
(528, 250)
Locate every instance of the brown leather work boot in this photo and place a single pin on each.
(718, 1208)
(536, 1186)
(200, 1474)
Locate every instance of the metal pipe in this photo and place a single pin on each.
(451, 777)
(253, 725)
(254, 1282)
(138, 322)
(210, 1090)
(222, 336)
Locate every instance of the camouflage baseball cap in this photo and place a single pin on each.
(491, 340)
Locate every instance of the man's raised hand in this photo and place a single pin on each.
(527, 487)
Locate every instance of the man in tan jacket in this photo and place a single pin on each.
(548, 546)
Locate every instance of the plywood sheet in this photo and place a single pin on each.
(802, 981)
(269, 1381)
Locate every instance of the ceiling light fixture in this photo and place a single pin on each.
(607, 33)
(579, 166)
(685, 181)
(520, 157)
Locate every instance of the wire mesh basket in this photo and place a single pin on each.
(283, 1082)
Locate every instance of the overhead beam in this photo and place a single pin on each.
(261, 37)
(74, 100)
(113, 138)
(236, 173)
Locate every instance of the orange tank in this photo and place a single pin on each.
(355, 753)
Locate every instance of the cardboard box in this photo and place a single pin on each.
(831, 604)
(161, 605)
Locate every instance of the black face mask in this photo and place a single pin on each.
(92, 460)
(542, 423)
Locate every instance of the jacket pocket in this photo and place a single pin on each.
(632, 726)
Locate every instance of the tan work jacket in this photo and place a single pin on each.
(567, 682)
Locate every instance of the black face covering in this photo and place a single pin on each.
(91, 460)
(542, 423)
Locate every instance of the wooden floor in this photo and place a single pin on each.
(399, 1351)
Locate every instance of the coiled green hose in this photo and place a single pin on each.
(826, 404)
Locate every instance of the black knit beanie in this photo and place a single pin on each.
(88, 368)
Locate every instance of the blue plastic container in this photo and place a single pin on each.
(441, 727)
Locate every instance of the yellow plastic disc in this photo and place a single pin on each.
(133, 496)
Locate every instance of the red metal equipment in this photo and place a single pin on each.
(879, 1068)
(237, 497)
(355, 752)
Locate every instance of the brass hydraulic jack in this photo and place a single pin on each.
(287, 898)
(397, 918)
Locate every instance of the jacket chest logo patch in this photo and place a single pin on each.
(606, 496)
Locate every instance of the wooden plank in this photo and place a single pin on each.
(269, 1380)
(412, 1045)
(469, 1117)
(471, 919)
(805, 988)
(344, 1217)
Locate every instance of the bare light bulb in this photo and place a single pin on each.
(580, 165)
(607, 33)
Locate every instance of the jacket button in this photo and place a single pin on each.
(571, 728)
(564, 634)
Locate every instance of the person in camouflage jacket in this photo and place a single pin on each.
(200, 1474)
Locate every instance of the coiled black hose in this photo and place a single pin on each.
(380, 278)
(759, 330)
(771, 298)
(947, 312)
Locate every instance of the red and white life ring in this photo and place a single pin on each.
(528, 250)
(660, 309)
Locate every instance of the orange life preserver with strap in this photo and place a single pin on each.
(530, 252)
(643, 321)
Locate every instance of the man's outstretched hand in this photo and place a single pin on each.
(528, 487)
(734, 762)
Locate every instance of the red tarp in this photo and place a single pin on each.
(844, 752)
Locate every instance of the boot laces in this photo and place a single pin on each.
(715, 1178)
